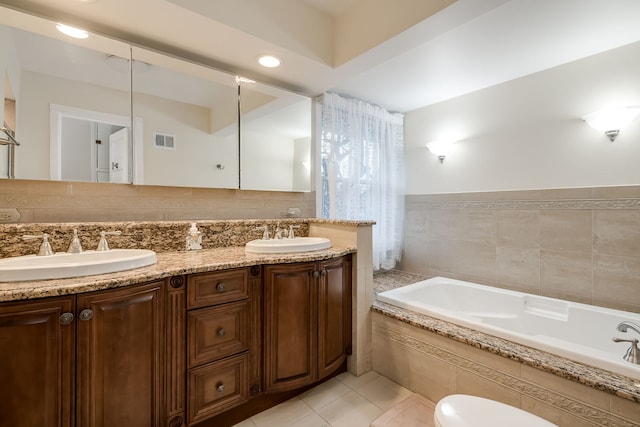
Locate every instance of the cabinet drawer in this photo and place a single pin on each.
(217, 332)
(217, 287)
(218, 386)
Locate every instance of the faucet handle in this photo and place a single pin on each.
(103, 245)
(291, 232)
(75, 247)
(633, 353)
(45, 248)
(265, 235)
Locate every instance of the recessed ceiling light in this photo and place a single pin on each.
(268, 61)
(76, 33)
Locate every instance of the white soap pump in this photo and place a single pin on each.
(194, 238)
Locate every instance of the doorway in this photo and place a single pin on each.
(91, 146)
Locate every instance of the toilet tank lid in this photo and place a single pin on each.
(461, 410)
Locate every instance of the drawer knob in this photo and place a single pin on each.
(86, 314)
(66, 318)
(221, 332)
(220, 388)
(220, 287)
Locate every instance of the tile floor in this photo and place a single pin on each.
(345, 400)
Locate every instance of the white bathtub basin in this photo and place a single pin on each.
(298, 244)
(65, 265)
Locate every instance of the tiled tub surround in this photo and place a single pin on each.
(436, 358)
(579, 244)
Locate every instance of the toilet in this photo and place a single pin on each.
(461, 410)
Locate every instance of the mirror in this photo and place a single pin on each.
(67, 98)
(275, 138)
(63, 102)
(189, 120)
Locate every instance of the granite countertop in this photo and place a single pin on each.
(169, 264)
(600, 379)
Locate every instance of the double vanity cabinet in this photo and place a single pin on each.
(179, 351)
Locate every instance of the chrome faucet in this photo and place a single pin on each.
(265, 234)
(292, 234)
(75, 247)
(103, 245)
(278, 232)
(633, 352)
(45, 248)
(623, 326)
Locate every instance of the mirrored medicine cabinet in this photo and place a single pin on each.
(101, 110)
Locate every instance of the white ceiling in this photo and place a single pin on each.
(467, 46)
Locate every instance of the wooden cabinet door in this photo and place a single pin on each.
(334, 314)
(290, 325)
(37, 363)
(120, 336)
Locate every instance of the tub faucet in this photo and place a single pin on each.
(623, 326)
(633, 353)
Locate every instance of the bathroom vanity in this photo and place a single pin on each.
(184, 342)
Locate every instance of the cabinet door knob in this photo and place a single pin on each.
(66, 318)
(220, 287)
(221, 332)
(316, 274)
(86, 314)
(220, 388)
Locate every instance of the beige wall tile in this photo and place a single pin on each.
(470, 383)
(518, 268)
(617, 232)
(548, 247)
(431, 377)
(478, 226)
(615, 279)
(566, 230)
(567, 275)
(625, 408)
(55, 201)
(554, 415)
(389, 358)
(572, 389)
(519, 228)
(476, 259)
(486, 358)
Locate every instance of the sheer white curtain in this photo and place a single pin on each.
(362, 170)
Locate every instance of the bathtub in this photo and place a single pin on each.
(579, 332)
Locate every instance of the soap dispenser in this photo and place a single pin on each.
(194, 238)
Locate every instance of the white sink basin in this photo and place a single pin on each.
(65, 265)
(298, 244)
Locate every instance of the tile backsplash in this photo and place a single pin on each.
(576, 244)
(58, 202)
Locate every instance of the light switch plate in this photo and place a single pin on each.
(9, 215)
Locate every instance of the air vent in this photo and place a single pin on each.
(163, 140)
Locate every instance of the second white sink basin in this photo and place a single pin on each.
(65, 265)
(298, 244)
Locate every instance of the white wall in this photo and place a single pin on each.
(267, 161)
(527, 133)
(197, 150)
(38, 91)
(76, 150)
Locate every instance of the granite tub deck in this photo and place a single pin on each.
(169, 264)
(600, 379)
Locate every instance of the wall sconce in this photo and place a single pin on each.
(440, 148)
(612, 120)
